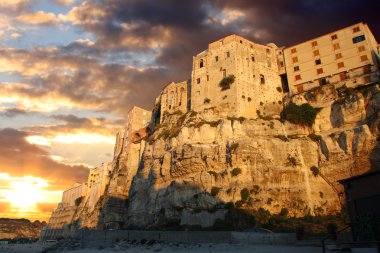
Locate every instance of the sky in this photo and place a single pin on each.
(70, 70)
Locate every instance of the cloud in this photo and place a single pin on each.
(20, 158)
(39, 17)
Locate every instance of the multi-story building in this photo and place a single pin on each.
(349, 57)
(257, 85)
(174, 97)
(97, 181)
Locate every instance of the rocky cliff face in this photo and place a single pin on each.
(20, 228)
(195, 169)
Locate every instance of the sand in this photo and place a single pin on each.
(181, 248)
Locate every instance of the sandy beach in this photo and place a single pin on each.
(185, 248)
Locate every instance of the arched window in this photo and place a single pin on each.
(262, 79)
(171, 99)
(201, 64)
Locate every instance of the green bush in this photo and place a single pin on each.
(244, 194)
(238, 203)
(303, 114)
(284, 212)
(315, 170)
(215, 191)
(226, 82)
(235, 172)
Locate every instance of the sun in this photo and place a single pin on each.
(25, 194)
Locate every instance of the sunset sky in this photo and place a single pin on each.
(70, 70)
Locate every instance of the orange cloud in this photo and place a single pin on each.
(39, 17)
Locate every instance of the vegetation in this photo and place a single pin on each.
(282, 137)
(303, 114)
(284, 212)
(244, 194)
(215, 191)
(239, 203)
(315, 170)
(207, 101)
(292, 161)
(212, 173)
(226, 82)
(235, 172)
(315, 137)
(279, 89)
(78, 201)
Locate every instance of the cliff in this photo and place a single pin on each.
(196, 170)
(20, 228)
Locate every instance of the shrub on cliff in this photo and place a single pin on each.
(78, 201)
(226, 82)
(303, 114)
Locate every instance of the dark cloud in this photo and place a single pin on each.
(12, 112)
(19, 158)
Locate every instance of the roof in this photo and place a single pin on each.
(367, 174)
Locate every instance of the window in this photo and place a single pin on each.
(367, 69)
(340, 65)
(356, 29)
(300, 88)
(316, 52)
(358, 39)
(281, 64)
(361, 48)
(338, 56)
(216, 58)
(343, 76)
(364, 58)
(295, 59)
(201, 64)
(336, 46)
(228, 54)
(297, 77)
(269, 63)
(268, 51)
(262, 79)
(318, 62)
(293, 50)
(323, 81)
(296, 68)
(198, 80)
(253, 58)
(334, 37)
(224, 73)
(208, 78)
(319, 71)
(221, 43)
(314, 43)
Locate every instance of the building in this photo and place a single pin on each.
(61, 218)
(256, 89)
(363, 205)
(97, 181)
(174, 97)
(347, 57)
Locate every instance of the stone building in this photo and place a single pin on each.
(174, 97)
(345, 57)
(96, 182)
(257, 86)
(62, 216)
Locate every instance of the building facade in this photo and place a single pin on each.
(256, 86)
(174, 97)
(347, 57)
